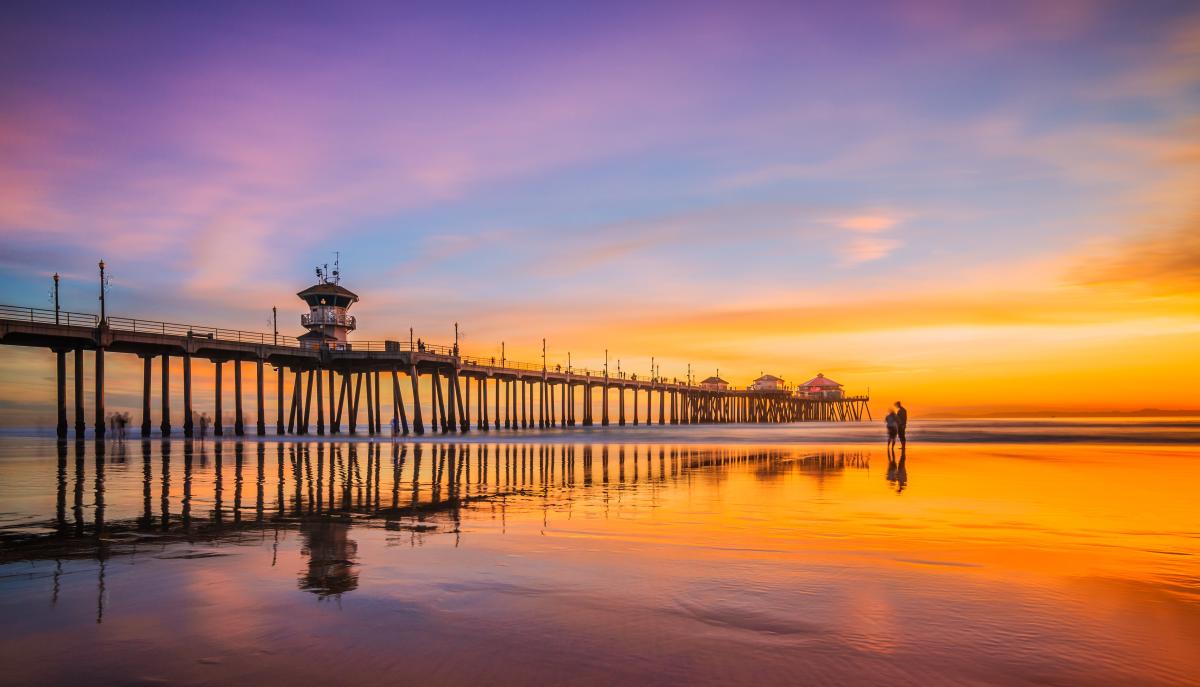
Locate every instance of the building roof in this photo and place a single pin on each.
(822, 381)
(769, 378)
(328, 289)
(714, 380)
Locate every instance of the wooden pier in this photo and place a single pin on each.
(322, 389)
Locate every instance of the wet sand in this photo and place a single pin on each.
(1000, 563)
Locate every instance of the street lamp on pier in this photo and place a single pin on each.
(103, 285)
(56, 298)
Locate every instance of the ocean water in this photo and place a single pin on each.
(990, 552)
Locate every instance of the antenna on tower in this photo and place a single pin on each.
(337, 270)
(320, 276)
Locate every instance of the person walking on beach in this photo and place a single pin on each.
(395, 427)
(901, 424)
(893, 427)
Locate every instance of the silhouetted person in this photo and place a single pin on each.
(893, 428)
(901, 424)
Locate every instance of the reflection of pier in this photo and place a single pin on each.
(321, 387)
(396, 485)
(231, 493)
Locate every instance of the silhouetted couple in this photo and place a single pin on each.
(897, 422)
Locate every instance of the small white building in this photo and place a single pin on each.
(714, 384)
(768, 383)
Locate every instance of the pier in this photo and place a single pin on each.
(322, 381)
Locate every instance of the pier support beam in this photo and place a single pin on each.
(165, 391)
(321, 403)
(218, 411)
(524, 407)
(187, 395)
(496, 401)
(99, 393)
(418, 425)
(542, 402)
(294, 407)
(80, 425)
(334, 411)
(60, 371)
(146, 360)
(398, 402)
(378, 407)
(508, 404)
(260, 425)
(587, 404)
(604, 403)
(279, 401)
(450, 422)
(239, 422)
(306, 415)
(335, 423)
(352, 403)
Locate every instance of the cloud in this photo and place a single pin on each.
(1165, 261)
(865, 249)
(868, 223)
(866, 244)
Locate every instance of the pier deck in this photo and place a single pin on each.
(523, 395)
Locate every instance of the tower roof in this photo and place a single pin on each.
(328, 289)
(714, 380)
(769, 378)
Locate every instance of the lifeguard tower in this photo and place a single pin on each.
(326, 320)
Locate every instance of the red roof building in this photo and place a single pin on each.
(820, 387)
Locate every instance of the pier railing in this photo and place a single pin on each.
(47, 316)
(128, 324)
(140, 326)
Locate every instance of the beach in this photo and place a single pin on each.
(638, 558)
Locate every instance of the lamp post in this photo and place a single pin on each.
(102, 315)
(606, 362)
(56, 298)
(543, 354)
(275, 324)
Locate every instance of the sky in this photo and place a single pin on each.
(972, 207)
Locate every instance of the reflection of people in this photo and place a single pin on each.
(897, 474)
(901, 424)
